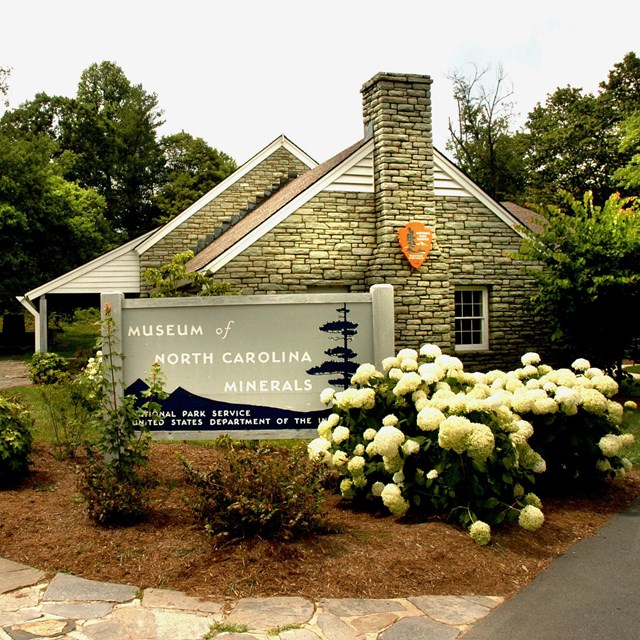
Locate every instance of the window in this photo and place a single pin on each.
(472, 318)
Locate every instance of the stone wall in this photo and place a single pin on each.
(325, 244)
(233, 200)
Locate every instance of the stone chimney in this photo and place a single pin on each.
(397, 115)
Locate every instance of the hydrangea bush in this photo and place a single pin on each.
(425, 436)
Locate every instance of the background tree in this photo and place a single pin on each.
(574, 138)
(111, 131)
(47, 224)
(191, 169)
(481, 139)
(589, 287)
(629, 176)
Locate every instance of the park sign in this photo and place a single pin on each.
(248, 366)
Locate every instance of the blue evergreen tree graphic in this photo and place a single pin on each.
(343, 355)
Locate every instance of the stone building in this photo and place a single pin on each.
(283, 223)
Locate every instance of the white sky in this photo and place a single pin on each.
(238, 73)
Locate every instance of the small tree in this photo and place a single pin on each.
(172, 280)
(588, 288)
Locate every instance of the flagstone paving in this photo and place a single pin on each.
(66, 607)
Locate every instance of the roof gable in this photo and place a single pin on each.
(280, 142)
(272, 211)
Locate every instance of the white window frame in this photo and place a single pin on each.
(483, 345)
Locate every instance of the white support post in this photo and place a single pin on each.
(41, 326)
(383, 322)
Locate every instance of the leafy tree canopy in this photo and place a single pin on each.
(589, 287)
(191, 169)
(47, 224)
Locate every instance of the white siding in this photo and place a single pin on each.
(120, 274)
(359, 177)
(445, 186)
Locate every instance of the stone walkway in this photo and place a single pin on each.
(68, 607)
(13, 373)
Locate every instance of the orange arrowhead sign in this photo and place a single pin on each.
(415, 242)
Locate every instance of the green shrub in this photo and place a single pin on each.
(267, 491)
(114, 497)
(427, 437)
(47, 368)
(16, 440)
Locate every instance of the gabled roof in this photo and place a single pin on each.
(126, 258)
(66, 279)
(280, 142)
(530, 219)
(272, 211)
(275, 209)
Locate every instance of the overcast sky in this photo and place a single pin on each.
(238, 73)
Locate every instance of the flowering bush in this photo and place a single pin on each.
(47, 368)
(16, 440)
(426, 436)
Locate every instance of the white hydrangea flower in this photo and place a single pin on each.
(356, 465)
(340, 434)
(527, 371)
(369, 435)
(454, 433)
(407, 354)
(339, 459)
(358, 450)
(530, 358)
(480, 532)
(610, 445)
(360, 482)
(531, 518)
(615, 412)
(481, 442)
(430, 372)
(395, 373)
(606, 385)
(567, 395)
(407, 383)
(376, 489)
(390, 420)
(593, 401)
(318, 449)
(390, 363)
(364, 398)
(346, 489)
(430, 351)
(429, 418)
(631, 405)
(326, 396)
(592, 372)
(364, 373)
(393, 500)
(398, 477)
(581, 364)
(409, 365)
(432, 474)
(545, 406)
(495, 375)
(387, 441)
(324, 430)
(333, 420)
(532, 499)
(449, 363)
(410, 447)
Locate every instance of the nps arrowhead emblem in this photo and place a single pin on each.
(415, 242)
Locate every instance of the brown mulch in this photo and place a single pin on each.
(43, 523)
